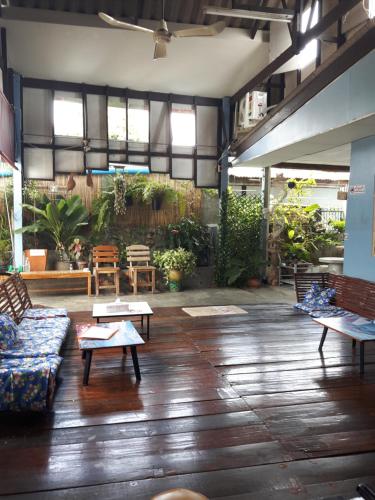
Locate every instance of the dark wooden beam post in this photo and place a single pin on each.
(255, 23)
(4, 61)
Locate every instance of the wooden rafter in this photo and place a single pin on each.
(302, 40)
(352, 51)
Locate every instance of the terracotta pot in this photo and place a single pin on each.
(254, 283)
(37, 259)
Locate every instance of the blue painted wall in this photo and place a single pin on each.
(359, 259)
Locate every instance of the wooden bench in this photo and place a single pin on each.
(352, 294)
(14, 297)
(57, 275)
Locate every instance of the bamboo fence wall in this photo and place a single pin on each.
(137, 214)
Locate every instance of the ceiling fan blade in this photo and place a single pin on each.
(160, 50)
(121, 24)
(211, 30)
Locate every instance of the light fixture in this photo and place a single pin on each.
(264, 15)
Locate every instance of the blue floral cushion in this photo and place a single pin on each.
(40, 313)
(27, 383)
(38, 338)
(8, 332)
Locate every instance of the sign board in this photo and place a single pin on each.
(357, 189)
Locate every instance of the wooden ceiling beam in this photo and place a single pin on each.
(255, 23)
(348, 54)
(302, 40)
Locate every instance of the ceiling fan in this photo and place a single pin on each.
(162, 35)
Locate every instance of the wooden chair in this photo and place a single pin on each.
(139, 263)
(106, 254)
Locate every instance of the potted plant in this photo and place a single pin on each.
(175, 264)
(76, 253)
(155, 193)
(62, 221)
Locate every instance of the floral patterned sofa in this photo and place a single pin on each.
(28, 368)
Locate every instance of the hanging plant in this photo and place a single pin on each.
(119, 184)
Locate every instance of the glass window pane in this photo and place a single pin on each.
(183, 125)
(138, 116)
(308, 54)
(116, 118)
(68, 114)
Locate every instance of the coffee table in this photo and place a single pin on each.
(136, 309)
(127, 336)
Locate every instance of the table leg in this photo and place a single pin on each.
(142, 323)
(86, 374)
(89, 285)
(324, 334)
(354, 342)
(148, 327)
(362, 358)
(124, 351)
(133, 350)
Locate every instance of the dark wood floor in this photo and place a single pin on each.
(239, 407)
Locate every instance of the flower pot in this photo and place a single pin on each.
(37, 259)
(128, 201)
(175, 281)
(156, 202)
(62, 265)
(174, 275)
(254, 283)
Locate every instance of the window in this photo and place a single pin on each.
(308, 54)
(138, 118)
(116, 118)
(183, 125)
(68, 114)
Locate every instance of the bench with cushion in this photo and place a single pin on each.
(30, 361)
(353, 313)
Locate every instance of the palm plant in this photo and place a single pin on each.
(61, 220)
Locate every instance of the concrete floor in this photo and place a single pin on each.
(198, 297)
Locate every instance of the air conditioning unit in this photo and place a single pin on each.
(252, 108)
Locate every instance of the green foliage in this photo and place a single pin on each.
(191, 235)
(239, 252)
(156, 190)
(338, 226)
(5, 243)
(119, 192)
(177, 259)
(297, 233)
(61, 220)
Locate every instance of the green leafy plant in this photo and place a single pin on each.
(178, 259)
(119, 192)
(62, 221)
(156, 191)
(191, 235)
(239, 246)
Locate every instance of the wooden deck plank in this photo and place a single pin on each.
(237, 407)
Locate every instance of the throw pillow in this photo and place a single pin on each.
(8, 332)
(323, 298)
(312, 293)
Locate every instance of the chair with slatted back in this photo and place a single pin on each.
(139, 258)
(105, 260)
